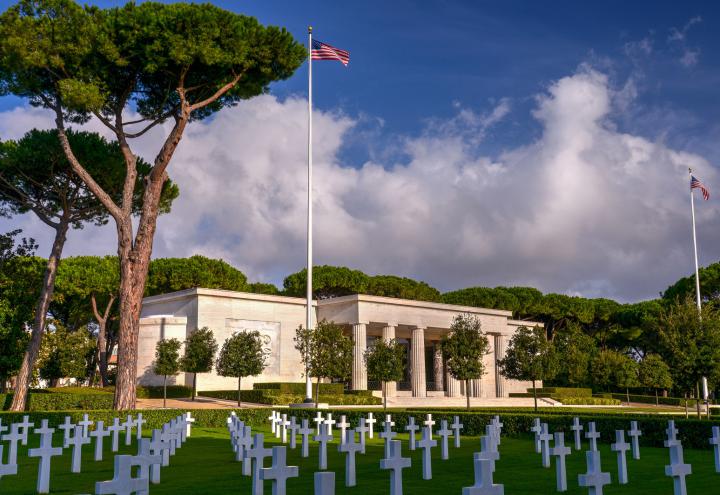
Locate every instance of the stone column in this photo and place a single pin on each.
(388, 333)
(499, 354)
(417, 362)
(452, 388)
(438, 367)
(359, 372)
(476, 387)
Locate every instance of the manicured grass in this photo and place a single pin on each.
(205, 465)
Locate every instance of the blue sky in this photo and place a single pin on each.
(495, 79)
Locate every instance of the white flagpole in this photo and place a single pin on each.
(309, 319)
(697, 270)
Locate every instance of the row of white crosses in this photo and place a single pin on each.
(74, 435)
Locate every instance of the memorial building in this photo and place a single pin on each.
(418, 325)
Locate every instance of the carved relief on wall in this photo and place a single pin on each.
(270, 335)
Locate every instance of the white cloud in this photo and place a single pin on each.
(582, 209)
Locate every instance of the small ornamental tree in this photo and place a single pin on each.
(530, 356)
(200, 349)
(241, 355)
(463, 349)
(327, 352)
(167, 361)
(66, 354)
(654, 373)
(385, 362)
(626, 375)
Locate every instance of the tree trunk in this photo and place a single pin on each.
(467, 394)
(384, 392)
(22, 383)
(687, 415)
(164, 392)
(192, 396)
(627, 395)
(697, 399)
(101, 352)
(657, 400)
(317, 393)
(239, 388)
(534, 395)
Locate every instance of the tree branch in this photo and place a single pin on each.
(224, 89)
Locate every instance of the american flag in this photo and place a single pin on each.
(696, 184)
(323, 51)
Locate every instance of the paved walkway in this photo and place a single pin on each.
(198, 403)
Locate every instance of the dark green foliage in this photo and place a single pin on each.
(241, 355)
(385, 362)
(62, 402)
(648, 399)
(167, 357)
(264, 396)
(577, 350)
(529, 356)
(298, 388)
(611, 369)
(65, 354)
(263, 288)
(654, 373)
(156, 392)
(401, 287)
(685, 287)
(463, 349)
(174, 274)
(200, 349)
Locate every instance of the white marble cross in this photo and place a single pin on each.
(284, 423)
(429, 423)
(492, 434)
(323, 439)
(370, 423)
(457, 426)
(387, 434)
(715, 442)
(148, 460)
(99, 433)
(247, 443)
(158, 447)
(621, 447)
(343, 425)
(592, 435)
(484, 484)
(444, 433)
(545, 438)
(427, 443)
(77, 441)
(671, 435)
(189, 420)
(122, 482)
(396, 463)
(86, 424)
(324, 482)
(350, 448)
(170, 435)
(677, 469)
(319, 420)
(180, 427)
(25, 426)
(271, 418)
(560, 450)
(293, 427)
(279, 471)
(243, 442)
(140, 421)
(278, 425)
(14, 437)
(411, 428)
(330, 422)
(114, 429)
(577, 428)
(498, 428)
(45, 452)
(128, 424)
(66, 428)
(634, 433)
(362, 429)
(537, 429)
(7, 469)
(257, 454)
(305, 432)
(487, 451)
(388, 419)
(594, 479)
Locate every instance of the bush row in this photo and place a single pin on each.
(649, 399)
(296, 388)
(564, 391)
(693, 433)
(156, 391)
(588, 401)
(262, 397)
(57, 401)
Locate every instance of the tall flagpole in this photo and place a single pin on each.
(309, 319)
(697, 270)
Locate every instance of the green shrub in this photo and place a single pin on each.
(275, 398)
(648, 399)
(56, 401)
(588, 401)
(564, 391)
(364, 393)
(528, 394)
(156, 392)
(74, 390)
(298, 388)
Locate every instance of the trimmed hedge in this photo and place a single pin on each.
(294, 388)
(564, 391)
(588, 401)
(56, 401)
(649, 399)
(156, 391)
(274, 398)
(693, 433)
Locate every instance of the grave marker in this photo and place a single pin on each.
(677, 469)
(114, 429)
(370, 423)
(484, 484)
(279, 471)
(140, 421)
(594, 479)
(149, 461)
(537, 429)
(343, 425)
(487, 451)
(189, 420)
(6, 469)
(350, 448)
(128, 424)
(257, 454)
(305, 433)
(387, 434)
(325, 483)
(329, 421)
(395, 463)
(621, 447)
(45, 452)
(86, 424)
(319, 420)
(577, 428)
(99, 433)
(66, 428)
(444, 433)
(715, 442)
(14, 437)
(271, 418)
(362, 429)
(561, 451)
(429, 423)
(122, 482)
(323, 439)
(545, 438)
(671, 432)
(634, 433)
(457, 426)
(77, 441)
(427, 443)
(284, 423)
(293, 427)
(592, 435)
(25, 426)
(411, 428)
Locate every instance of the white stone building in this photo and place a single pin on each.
(417, 324)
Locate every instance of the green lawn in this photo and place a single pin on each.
(205, 465)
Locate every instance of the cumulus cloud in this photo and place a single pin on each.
(583, 209)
